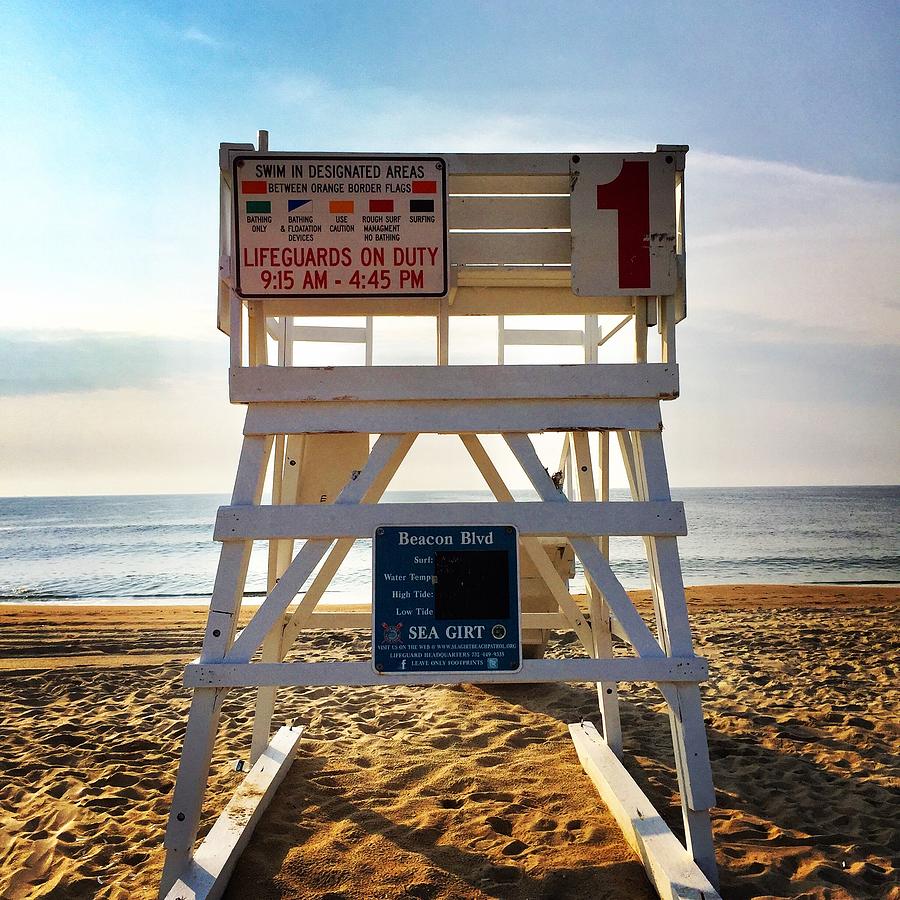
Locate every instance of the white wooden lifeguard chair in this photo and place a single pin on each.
(593, 235)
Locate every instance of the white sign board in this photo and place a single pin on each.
(341, 226)
(623, 225)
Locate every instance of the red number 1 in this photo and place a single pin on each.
(629, 195)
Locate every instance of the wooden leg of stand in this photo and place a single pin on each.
(686, 715)
(265, 696)
(607, 691)
(206, 705)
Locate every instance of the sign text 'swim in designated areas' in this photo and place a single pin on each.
(313, 226)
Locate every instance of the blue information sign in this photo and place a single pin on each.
(446, 599)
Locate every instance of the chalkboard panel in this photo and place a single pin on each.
(471, 584)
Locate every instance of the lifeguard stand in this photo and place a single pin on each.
(592, 235)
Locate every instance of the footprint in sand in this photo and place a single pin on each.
(488, 762)
(501, 826)
(514, 848)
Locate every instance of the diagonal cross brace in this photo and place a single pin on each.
(592, 559)
(532, 546)
(342, 547)
(281, 596)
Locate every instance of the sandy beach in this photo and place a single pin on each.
(458, 792)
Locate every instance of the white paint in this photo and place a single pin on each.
(609, 381)
(228, 674)
(206, 876)
(236, 523)
(674, 875)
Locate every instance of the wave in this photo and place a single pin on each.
(38, 596)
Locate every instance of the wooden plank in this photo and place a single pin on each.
(294, 451)
(510, 248)
(450, 417)
(667, 328)
(235, 330)
(251, 470)
(336, 620)
(607, 692)
(370, 339)
(508, 212)
(508, 163)
(443, 329)
(190, 784)
(333, 334)
(555, 277)
(543, 337)
(500, 298)
(238, 523)
(203, 719)
(541, 163)
(228, 674)
(508, 184)
(329, 463)
(614, 381)
(258, 348)
(673, 873)
(278, 599)
(266, 696)
(207, 874)
(511, 291)
(314, 592)
(686, 717)
(640, 329)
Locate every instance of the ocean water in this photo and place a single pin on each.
(160, 549)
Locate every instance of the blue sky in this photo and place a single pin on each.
(111, 115)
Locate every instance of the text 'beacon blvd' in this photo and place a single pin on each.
(471, 538)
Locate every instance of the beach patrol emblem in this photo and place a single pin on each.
(393, 634)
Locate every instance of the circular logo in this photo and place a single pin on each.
(499, 632)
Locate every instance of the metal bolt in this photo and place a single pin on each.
(180, 817)
(576, 158)
(669, 159)
(216, 632)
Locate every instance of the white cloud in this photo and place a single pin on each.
(196, 36)
(804, 253)
(33, 363)
(179, 436)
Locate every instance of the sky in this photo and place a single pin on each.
(113, 376)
